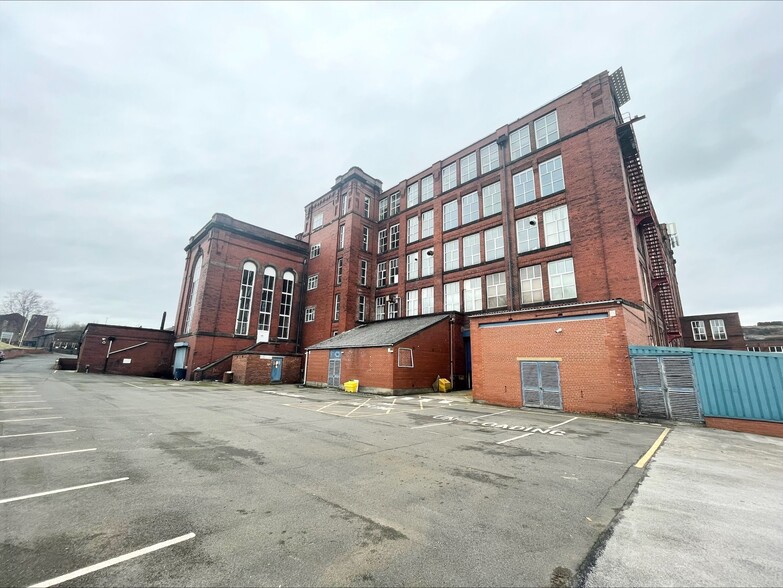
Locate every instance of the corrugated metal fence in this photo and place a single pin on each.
(729, 384)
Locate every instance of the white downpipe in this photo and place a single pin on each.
(304, 381)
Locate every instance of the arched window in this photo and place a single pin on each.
(193, 292)
(245, 297)
(286, 302)
(267, 296)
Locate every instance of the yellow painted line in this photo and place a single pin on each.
(650, 452)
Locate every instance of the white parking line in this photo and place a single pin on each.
(20, 401)
(513, 438)
(47, 454)
(30, 419)
(563, 423)
(20, 395)
(327, 405)
(41, 433)
(435, 425)
(113, 561)
(33, 408)
(528, 434)
(358, 407)
(37, 494)
(486, 416)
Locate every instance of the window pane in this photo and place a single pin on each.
(491, 199)
(467, 168)
(496, 290)
(524, 187)
(450, 255)
(427, 223)
(245, 298)
(426, 188)
(412, 266)
(489, 158)
(450, 215)
(395, 204)
(451, 297)
(470, 208)
(532, 286)
(428, 300)
(527, 234)
(546, 129)
(561, 279)
(413, 229)
(551, 176)
(472, 290)
(471, 250)
(413, 195)
(493, 244)
(285, 306)
(449, 177)
(412, 303)
(556, 228)
(428, 262)
(520, 142)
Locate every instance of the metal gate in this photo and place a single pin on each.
(666, 388)
(333, 377)
(541, 384)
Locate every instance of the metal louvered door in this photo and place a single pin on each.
(541, 384)
(333, 376)
(681, 396)
(649, 387)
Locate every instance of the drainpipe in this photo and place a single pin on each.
(108, 353)
(451, 350)
(307, 356)
(507, 202)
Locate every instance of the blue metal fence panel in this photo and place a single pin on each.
(733, 384)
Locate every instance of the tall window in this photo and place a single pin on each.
(394, 236)
(527, 234)
(451, 297)
(194, 281)
(550, 175)
(699, 331)
(366, 207)
(362, 307)
(562, 284)
(531, 284)
(393, 271)
(342, 236)
(337, 307)
(451, 255)
(556, 228)
(309, 314)
(470, 208)
(363, 272)
(365, 239)
(315, 250)
(493, 244)
(520, 142)
(394, 310)
(427, 223)
(394, 204)
(312, 282)
(450, 220)
(267, 296)
(339, 273)
(412, 303)
(467, 168)
(496, 290)
(471, 250)
(382, 241)
(318, 221)
(413, 194)
(413, 229)
(380, 308)
(546, 129)
(427, 191)
(449, 177)
(427, 262)
(472, 292)
(286, 302)
(412, 266)
(524, 187)
(490, 197)
(428, 300)
(245, 298)
(381, 275)
(718, 328)
(489, 158)
(383, 209)
(345, 204)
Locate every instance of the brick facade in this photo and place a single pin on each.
(772, 429)
(252, 368)
(734, 337)
(133, 351)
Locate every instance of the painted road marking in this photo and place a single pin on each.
(112, 562)
(358, 407)
(41, 433)
(33, 408)
(327, 405)
(493, 414)
(37, 494)
(21, 401)
(433, 425)
(650, 452)
(538, 430)
(30, 419)
(563, 423)
(20, 395)
(514, 438)
(47, 454)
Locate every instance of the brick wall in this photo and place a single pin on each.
(154, 358)
(251, 368)
(745, 426)
(735, 338)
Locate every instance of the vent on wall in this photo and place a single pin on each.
(619, 87)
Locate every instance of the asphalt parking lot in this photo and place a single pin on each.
(202, 484)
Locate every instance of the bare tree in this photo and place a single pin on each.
(27, 303)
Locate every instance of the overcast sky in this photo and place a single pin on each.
(124, 127)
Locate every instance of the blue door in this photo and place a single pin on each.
(277, 369)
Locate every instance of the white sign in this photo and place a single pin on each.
(479, 423)
(126, 360)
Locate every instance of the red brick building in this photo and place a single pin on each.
(713, 331)
(132, 351)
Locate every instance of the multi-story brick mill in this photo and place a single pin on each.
(538, 243)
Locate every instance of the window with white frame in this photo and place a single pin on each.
(546, 129)
(366, 207)
(527, 234)
(315, 250)
(751, 348)
(450, 215)
(413, 229)
(427, 262)
(531, 284)
(394, 306)
(413, 195)
(428, 300)
(520, 142)
(550, 174)
(245, 298)
(699, 331)
(344, 204)
(318, 221)
(427, 191)
(342, 237)
(471, 250)
(412, 266)
(267, 296)
(556, 228)
(286, 301)
(380, 308)
(365, 239)
(451, 297)
(381, 275)
(470, 207)
(489, 158)
(490, 197)
(312, 282)
(393, 271)
(394, 204)
(194, 282)
(339, 273)
(524, 187)
(382, 240)
(363, 272)
(427, 223)
(336, 307)
(449, 177)
(309, 314)
(394, 236)
(493, 244)
(467, 168)
(451, 255)
(562, 284)
(411, 303)
(361, 315)
(775, 349)
(718, 328)
(496, 290)
(383, 209)
(472, 294)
